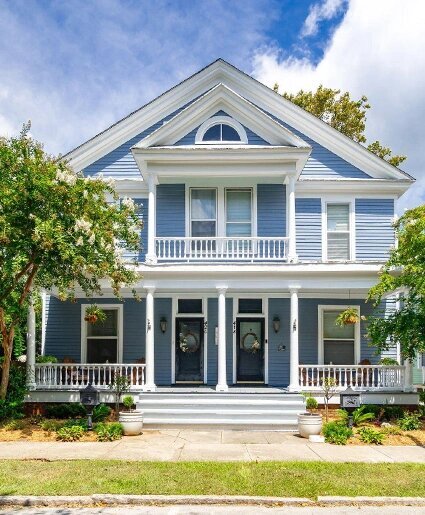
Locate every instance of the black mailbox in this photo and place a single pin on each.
(350, 400)
(89, 397)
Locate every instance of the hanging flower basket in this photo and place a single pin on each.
(348, 316)
(94, 314)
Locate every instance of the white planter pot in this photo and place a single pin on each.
(132, 422)
(309, 424)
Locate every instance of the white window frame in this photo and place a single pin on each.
(251, 222)
(225, 120)
(322, 308)
(120, 325)
(203, 220)
(351, 228)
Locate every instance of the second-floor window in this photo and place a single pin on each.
(238, 212)
(203, 212)
(338, 231)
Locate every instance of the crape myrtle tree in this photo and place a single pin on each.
(59, 231)
(404, 272)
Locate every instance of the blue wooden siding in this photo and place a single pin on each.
(142, 212)
(163, 342)
(170, 210)
(308, 217)
(374, 231)
(212, 347)
(271, 210)
(279, 359)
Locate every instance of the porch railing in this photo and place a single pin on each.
(77, 375)
(221, 249)
(364, 377)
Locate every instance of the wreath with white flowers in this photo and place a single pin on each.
(188, 342)
(250, 343)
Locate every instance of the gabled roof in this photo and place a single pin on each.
(252, 91)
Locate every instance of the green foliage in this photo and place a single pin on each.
(71, 410)
(337, 433)
(13, 405)
(370, 435)
(422, 396)
(348, 316)
(388, 362)
(94, 314)
(119, 385)
(389, 429)
(46, 359)
(51, 426)
(360, 415)
(15, 425)
(108, 432)
(410, 421)
(101, 412)
(342, 113)
(128, 402)
(80, 422)
(385, 412)
(69, 434)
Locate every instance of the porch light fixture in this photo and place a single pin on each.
(276, 324)
(163, 324)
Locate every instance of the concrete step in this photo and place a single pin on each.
(214, 423)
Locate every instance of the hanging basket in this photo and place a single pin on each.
(94, 314)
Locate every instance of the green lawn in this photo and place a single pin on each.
(300, 479)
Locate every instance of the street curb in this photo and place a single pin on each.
(369, 501)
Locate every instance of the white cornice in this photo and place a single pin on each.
(376, 186)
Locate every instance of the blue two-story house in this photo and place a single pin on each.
(261, 224)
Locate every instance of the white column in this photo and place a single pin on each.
(294, 383)
(292, 230)
(221, 361)
(408, 375)
(149, 385)
(151, 254)
(31, 347)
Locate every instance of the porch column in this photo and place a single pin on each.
(31, 347)
(221, 360)
(292, 230)
(408, 375)
(149, 385)
(294, 383)
(151, 254)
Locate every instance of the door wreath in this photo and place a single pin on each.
(188, 342)
(250, 343)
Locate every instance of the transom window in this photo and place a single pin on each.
(339, 345)
(203, 212)
(221, 132)
(221, 129)
(338, 232)
(102, 339)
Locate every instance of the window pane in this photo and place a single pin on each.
(212, 134)
(101, 351)
(338, 245)
(331, 330)
(338, 217)
(203, 204)
(190, 305)
(250, 306)
(339, 352)
(229, 133)
(203, 229)
(238, 206)
(238, 230)
(107, 328)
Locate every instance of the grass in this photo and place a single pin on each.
(300, 479)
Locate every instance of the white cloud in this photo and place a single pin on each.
(378, 51)
(320, 11)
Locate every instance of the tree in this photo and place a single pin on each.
(342, 113)
(57, 231)
(403, 272)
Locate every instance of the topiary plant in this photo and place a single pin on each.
(128, 402)
(311, 404)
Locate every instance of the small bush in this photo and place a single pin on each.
(337, 433)
(128, 402)
(422, 396)
(311, 403)
(51, 426)
(410, 421)
(71, 410)
(370, 435)
(108, 432)
(70, 434)
(393, 412)
(359, 415)
(80, 422)
(46, 359)
(13, 405)
(101, 412)
(15, 425)
(388, 429)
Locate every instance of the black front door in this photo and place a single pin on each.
(189, 349)
(250, 349)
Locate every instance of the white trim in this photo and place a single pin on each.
(120, 326)
(357, 336)
(223, 120)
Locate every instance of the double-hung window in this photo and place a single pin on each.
(102, 338)
(338, 232)
(339, 344)
(239, 212)
(203, 212)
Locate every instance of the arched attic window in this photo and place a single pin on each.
(221, 130)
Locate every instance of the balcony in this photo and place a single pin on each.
(221, 249)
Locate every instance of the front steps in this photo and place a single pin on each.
(250, 408)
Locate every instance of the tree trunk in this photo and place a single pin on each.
(7, 344)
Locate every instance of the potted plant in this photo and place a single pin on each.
(131, 420)
(310, 422)
(349, 316)
(94, 314)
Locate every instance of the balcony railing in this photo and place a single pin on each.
(73, 376)
(221, 249)
(360, 377)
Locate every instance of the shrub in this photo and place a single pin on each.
(311, 403)
(128, 402)
(51, 426)
(370, 435)
(13, 405)
(410, 421)
(46, 359)
(101, 412)
(393, 412)
(359, 415)
(388, 362)
(422, 396)
(108, 432)
(80, 422)
(69, 434)
(15, 425)
(337, 433)
(388, 429)
(71, 410)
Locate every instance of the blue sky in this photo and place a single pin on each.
(74, 67)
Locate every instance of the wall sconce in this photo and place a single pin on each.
(163, 324)
(276, 324)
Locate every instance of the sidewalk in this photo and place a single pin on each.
(214, 445)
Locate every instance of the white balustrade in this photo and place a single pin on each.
(78, 375)
(221, 249)
(364, 377)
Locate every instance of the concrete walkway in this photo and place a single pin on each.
(214, 445)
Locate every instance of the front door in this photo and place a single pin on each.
(189, 350)
(250, 350)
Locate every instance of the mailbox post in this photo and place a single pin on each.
(350, 401)
(89, 398)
